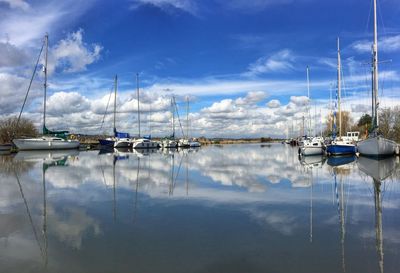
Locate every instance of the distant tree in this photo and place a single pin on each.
(389, 123)
(9, 129)
(365, 120)
(347, 122)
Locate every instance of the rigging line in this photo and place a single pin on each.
(343, 84)
(105, 113)
(369, 16)
(381, 17)
(30, 84)
(29, 214)
(179, 119)
(177, 173)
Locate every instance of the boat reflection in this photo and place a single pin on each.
(341, 167)
(340, 160)
(379, 170)
(312, 161)
(48, 160)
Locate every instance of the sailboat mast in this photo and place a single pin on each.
(46, 37)
(187, 117)
(375, 72)
(308, 96)
(173, 116)
(138, 103)
(378, 222)
(115, 101)
(339, 86)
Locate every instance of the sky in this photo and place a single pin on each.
(242, 64)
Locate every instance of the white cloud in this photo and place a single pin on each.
(300, 100)
(253, 97)
(224, 106)
(274, 104)
(11, 55)
(72, 54)
(281, 61)
(188, 6)
(61, 103)
(27, 27)
(385, 44)
(17, 4)
(13, 89)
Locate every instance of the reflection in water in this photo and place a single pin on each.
(341, 167)
(379, 170)
(48, 159)
(214, 209)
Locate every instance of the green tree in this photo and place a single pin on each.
(365, 120)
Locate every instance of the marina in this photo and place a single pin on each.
(169, 136)
(213, 209)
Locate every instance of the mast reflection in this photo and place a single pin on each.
(48, 159)
(378, 170)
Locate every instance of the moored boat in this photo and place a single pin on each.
(376, 145)
(52, 140)
(339, 145)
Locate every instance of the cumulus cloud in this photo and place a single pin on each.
(72, 54)
(188, 6)
(253, 97)
(281, 61)
(13, 89)
(61, 103)
(274, 104)
(224, 106)
(360, 108)
(11, 55)
(300, 100)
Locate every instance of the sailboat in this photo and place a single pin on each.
(120, 140)
(376, 145)
(142, 142)
(339, 145)
(313, 146)
(186, 141)
(51, 140)
(171, 142)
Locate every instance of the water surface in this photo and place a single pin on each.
(232, 208)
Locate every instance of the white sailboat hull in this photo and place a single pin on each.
(45, 143)
(377, 146)
(144, 144)
(312, 150)
(122, 143)
(169, 143)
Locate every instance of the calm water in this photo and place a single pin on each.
(236, 208)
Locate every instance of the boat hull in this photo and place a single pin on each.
(312, 151)
(144, 145)
(45, 144)
(122, 143)
(169, 144)
(194, 144)
(377, 147)
(340, 160)
(106, 143)
(5, 147)
(341, 149)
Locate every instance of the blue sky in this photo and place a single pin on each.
(243, 63)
